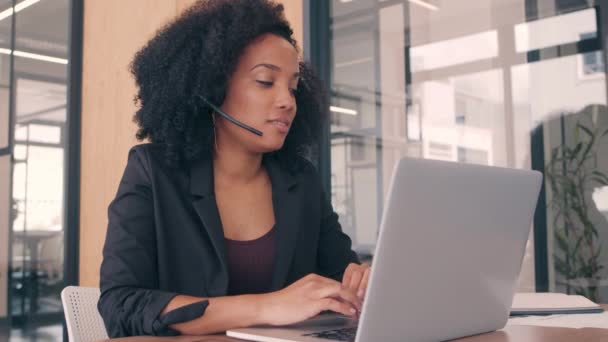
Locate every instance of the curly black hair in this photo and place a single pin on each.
(195, 55)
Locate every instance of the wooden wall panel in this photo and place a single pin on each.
(113, 31)
(294, 14)
(183, 4)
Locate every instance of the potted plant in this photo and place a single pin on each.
(571, 174)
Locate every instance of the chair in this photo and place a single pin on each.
(81, 316)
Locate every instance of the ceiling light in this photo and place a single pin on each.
(353, 62)
(425, 4)
(18, 8)
(35, 56)
(342, 110)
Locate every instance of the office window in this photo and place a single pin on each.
(34, 61)
(591, 62)
(468, 81)
(5, 159)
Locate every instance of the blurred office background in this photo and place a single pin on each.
(508, 83)
(515, 83)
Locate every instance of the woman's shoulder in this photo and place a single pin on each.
(150, 157)
(148, 149)
(300, 168)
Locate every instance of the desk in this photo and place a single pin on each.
(511, 333)
(519, 333)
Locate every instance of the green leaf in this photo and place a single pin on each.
(561, 266)
(587, 130)
(571, 188)
(578, 242)
(600, 175)
(576, 149)
(562, 241)
(588, 149)
(600, 180)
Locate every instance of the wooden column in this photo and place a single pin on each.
(113, 31)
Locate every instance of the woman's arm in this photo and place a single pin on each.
(221, 314)
(130, 302)
(301, 300)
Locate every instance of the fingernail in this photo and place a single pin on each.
(360, 294)
(353, 311)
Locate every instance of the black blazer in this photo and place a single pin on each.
(165, 238)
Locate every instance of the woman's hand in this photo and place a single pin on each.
(355, 279)
(306, 298)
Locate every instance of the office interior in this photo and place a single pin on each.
(509, 83)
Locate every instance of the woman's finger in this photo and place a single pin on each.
(336, 291)
(336, 306)
(326, 281)
(364, 281)
(355, 279)
(347, 275)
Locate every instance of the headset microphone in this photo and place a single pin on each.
(230, 118)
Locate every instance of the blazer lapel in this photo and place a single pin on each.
(286, 205)
(203, 201)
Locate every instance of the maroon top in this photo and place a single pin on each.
(251, 264)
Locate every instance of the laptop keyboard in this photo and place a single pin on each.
(343, 334)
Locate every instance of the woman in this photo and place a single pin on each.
(215, 227)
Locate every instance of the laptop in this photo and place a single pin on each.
(449, 252)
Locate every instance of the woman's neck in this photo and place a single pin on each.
(233, 165)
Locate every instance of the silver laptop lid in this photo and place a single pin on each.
(451, 244)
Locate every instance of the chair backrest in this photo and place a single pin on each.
(81, 316)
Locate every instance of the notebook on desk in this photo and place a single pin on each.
(551, 303)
